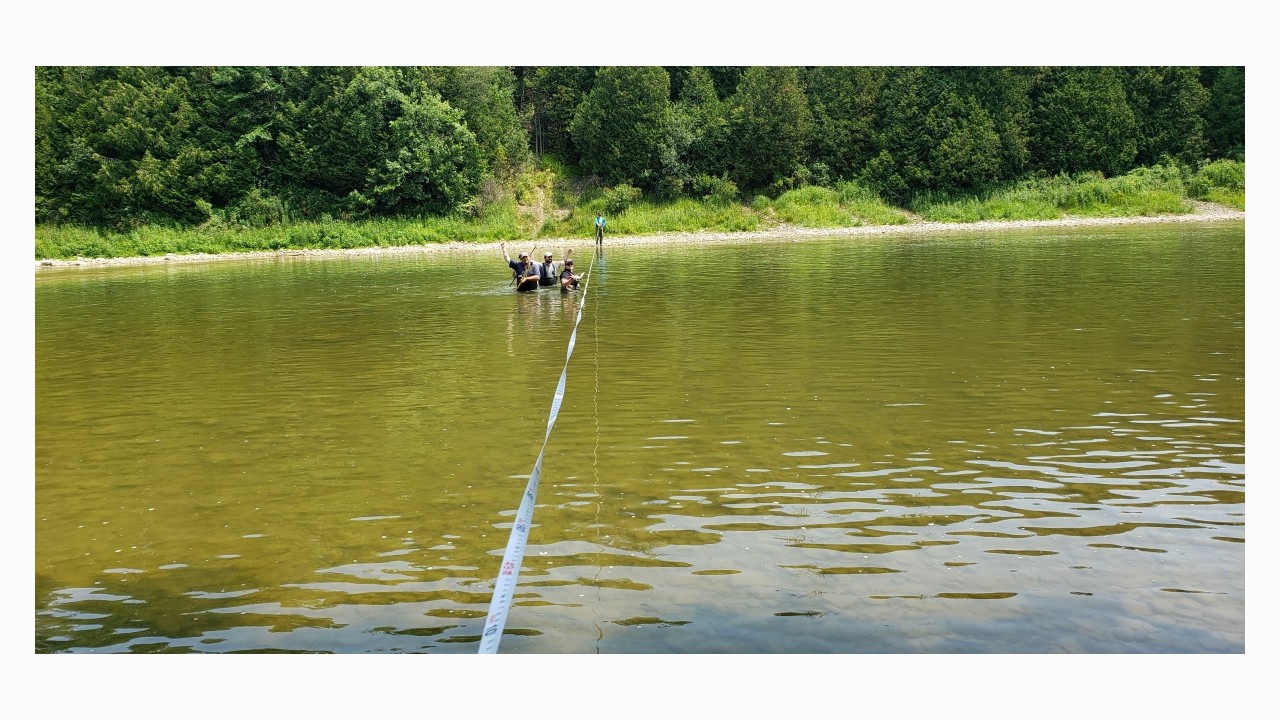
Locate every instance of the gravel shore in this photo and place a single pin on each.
(1203, 212)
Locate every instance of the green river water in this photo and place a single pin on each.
(1027, 441)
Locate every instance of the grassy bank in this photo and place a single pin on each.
(1160, 190)
(544, 209)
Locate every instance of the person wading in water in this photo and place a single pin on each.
(549, 270)
(524, 271)
(599, 229)
(569, 281)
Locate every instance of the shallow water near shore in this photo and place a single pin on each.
(1014, 442)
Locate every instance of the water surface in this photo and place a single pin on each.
(1021, 441)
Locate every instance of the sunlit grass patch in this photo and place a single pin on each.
(848, 205)
(1143, 192)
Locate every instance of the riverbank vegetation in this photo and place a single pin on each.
(137, 161)
(1163, 190)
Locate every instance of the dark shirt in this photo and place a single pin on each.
(518, 268)
(573, 284)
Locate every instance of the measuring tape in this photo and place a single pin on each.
(511, 559)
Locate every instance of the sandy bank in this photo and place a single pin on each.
(1204, 212)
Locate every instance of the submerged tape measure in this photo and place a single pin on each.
(511, 559)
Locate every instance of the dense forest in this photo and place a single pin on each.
(120, 147)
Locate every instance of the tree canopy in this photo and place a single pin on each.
(121, 146)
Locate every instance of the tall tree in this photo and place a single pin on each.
(621, 127)
(964, 150)
(1005, 94)
(900, 164)
(360, 144)
(771, 126)
(706, 152)
(1225, 113)
(486, 97)
(1082, 121)
(1169, 104)
(125, 147)
(725, 78)
(555, 93)
(843, 105)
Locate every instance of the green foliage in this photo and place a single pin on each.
(703, 117)
(245, 148)
(897, 165)
(1223, 174)
(1014, 204)
(771, 124)
(1145, 191)
(843, 102)
(867, 206)
(553, 94)
(1220, 181)
(256, 209)
(1004, 94)
(964, 148)
(373, 148)
(715, 190)
(254, 224)
(812, 206)
(1082, 122)
(669, 187)
(619, 198)
(621, 126)
(1169, 105)
(1225, 113)
(486, 97)
(848, 205)
(682, 215)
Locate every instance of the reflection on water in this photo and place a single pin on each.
(1019, 442)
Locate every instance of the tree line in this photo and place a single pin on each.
(123, 146)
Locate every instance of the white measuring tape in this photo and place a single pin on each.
(510, 571)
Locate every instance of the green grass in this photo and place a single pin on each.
(1230, 198)
(65, 242)
(1159, 190)
(1221, 181)
(645, 218)
(848, 205)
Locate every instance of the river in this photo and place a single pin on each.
(1023, 441)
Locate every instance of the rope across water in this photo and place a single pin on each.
(509, 572)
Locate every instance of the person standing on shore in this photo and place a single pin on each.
(599, 229)
(524, 271)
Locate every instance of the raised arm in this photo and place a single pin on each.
(505, 256)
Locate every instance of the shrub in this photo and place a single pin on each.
(256, 209)
(1217, 175)
(670, 187)
(620, 197)
(716, 190)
